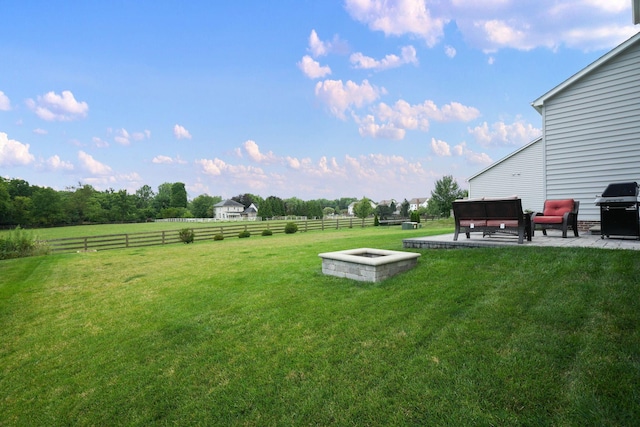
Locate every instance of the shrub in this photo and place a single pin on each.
(291, 228)
(267, 232)
(187, 235)
(21, 243)
(244, 234)
(376, 221)
(218, 237)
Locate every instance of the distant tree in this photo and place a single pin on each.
(404, 208)
(384, 211)
(328, 211)
(445, 192)
(162, 199)
(363, 208)
(247, 199)
(202, 206)
(314, 209)
(178, 195)
(5, 203)
(47, 207)
(275, 204)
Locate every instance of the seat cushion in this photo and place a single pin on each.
(476, 223)
(557, 207)
(551, 219)
(500, 222)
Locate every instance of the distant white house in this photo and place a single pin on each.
(251, 212)
(417, 203)
(591, 138)
(228, 209)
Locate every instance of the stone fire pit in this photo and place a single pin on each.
(366, 264)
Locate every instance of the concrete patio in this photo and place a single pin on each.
(553, 239)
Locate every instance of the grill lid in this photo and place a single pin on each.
(621, 189)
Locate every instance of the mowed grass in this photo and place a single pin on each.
(250, 332)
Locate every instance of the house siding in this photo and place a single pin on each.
(592, 133)
(520, 174)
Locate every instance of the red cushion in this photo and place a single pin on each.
(476, 223)
(552, 219)
(557, 207)
(499, 222)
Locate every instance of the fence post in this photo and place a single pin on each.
(86, 247)
(163, 237)
(126, 240)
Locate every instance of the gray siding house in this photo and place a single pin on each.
(518, 174)
(591, 137)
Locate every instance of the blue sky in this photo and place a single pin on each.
(305, 98)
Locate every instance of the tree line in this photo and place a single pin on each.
(33, 206)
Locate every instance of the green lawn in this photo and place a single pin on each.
(249, 332)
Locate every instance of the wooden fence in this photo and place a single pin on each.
(154, 238)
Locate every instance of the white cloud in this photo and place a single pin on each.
(254, 153)
(92, 165)
(398, 18)
(54, 163)
(39, 131)
(5, 103)
(582, 24)
(319, 48)
(62, 108)
(440, 148)
(450, 51)
(14, 153)
(472, 156)
(369, 127)
(407, 56)
(340, 97)
(312, 68)
(123, 137)
(100, 143)
(180, 132)
(500, 133)
(166, 160)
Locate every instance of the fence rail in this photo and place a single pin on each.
(155, 238)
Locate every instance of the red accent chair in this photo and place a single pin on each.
(557, 214)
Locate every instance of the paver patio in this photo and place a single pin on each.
(553, 239)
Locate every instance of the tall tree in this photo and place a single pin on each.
(404, 208)
(178, 195)
(162, 199)
(446, 190)
(202, 206)
(363, 208)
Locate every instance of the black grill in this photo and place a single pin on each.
(619, 210)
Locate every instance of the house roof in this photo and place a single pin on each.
(538, 103)
(229, 203)
(494, 164)
(418, 200)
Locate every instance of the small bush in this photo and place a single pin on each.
(218, 237)
(267, 232)
(291, 228)
(21, 243)
(244, 234)
(376, 221)
(187, 235)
